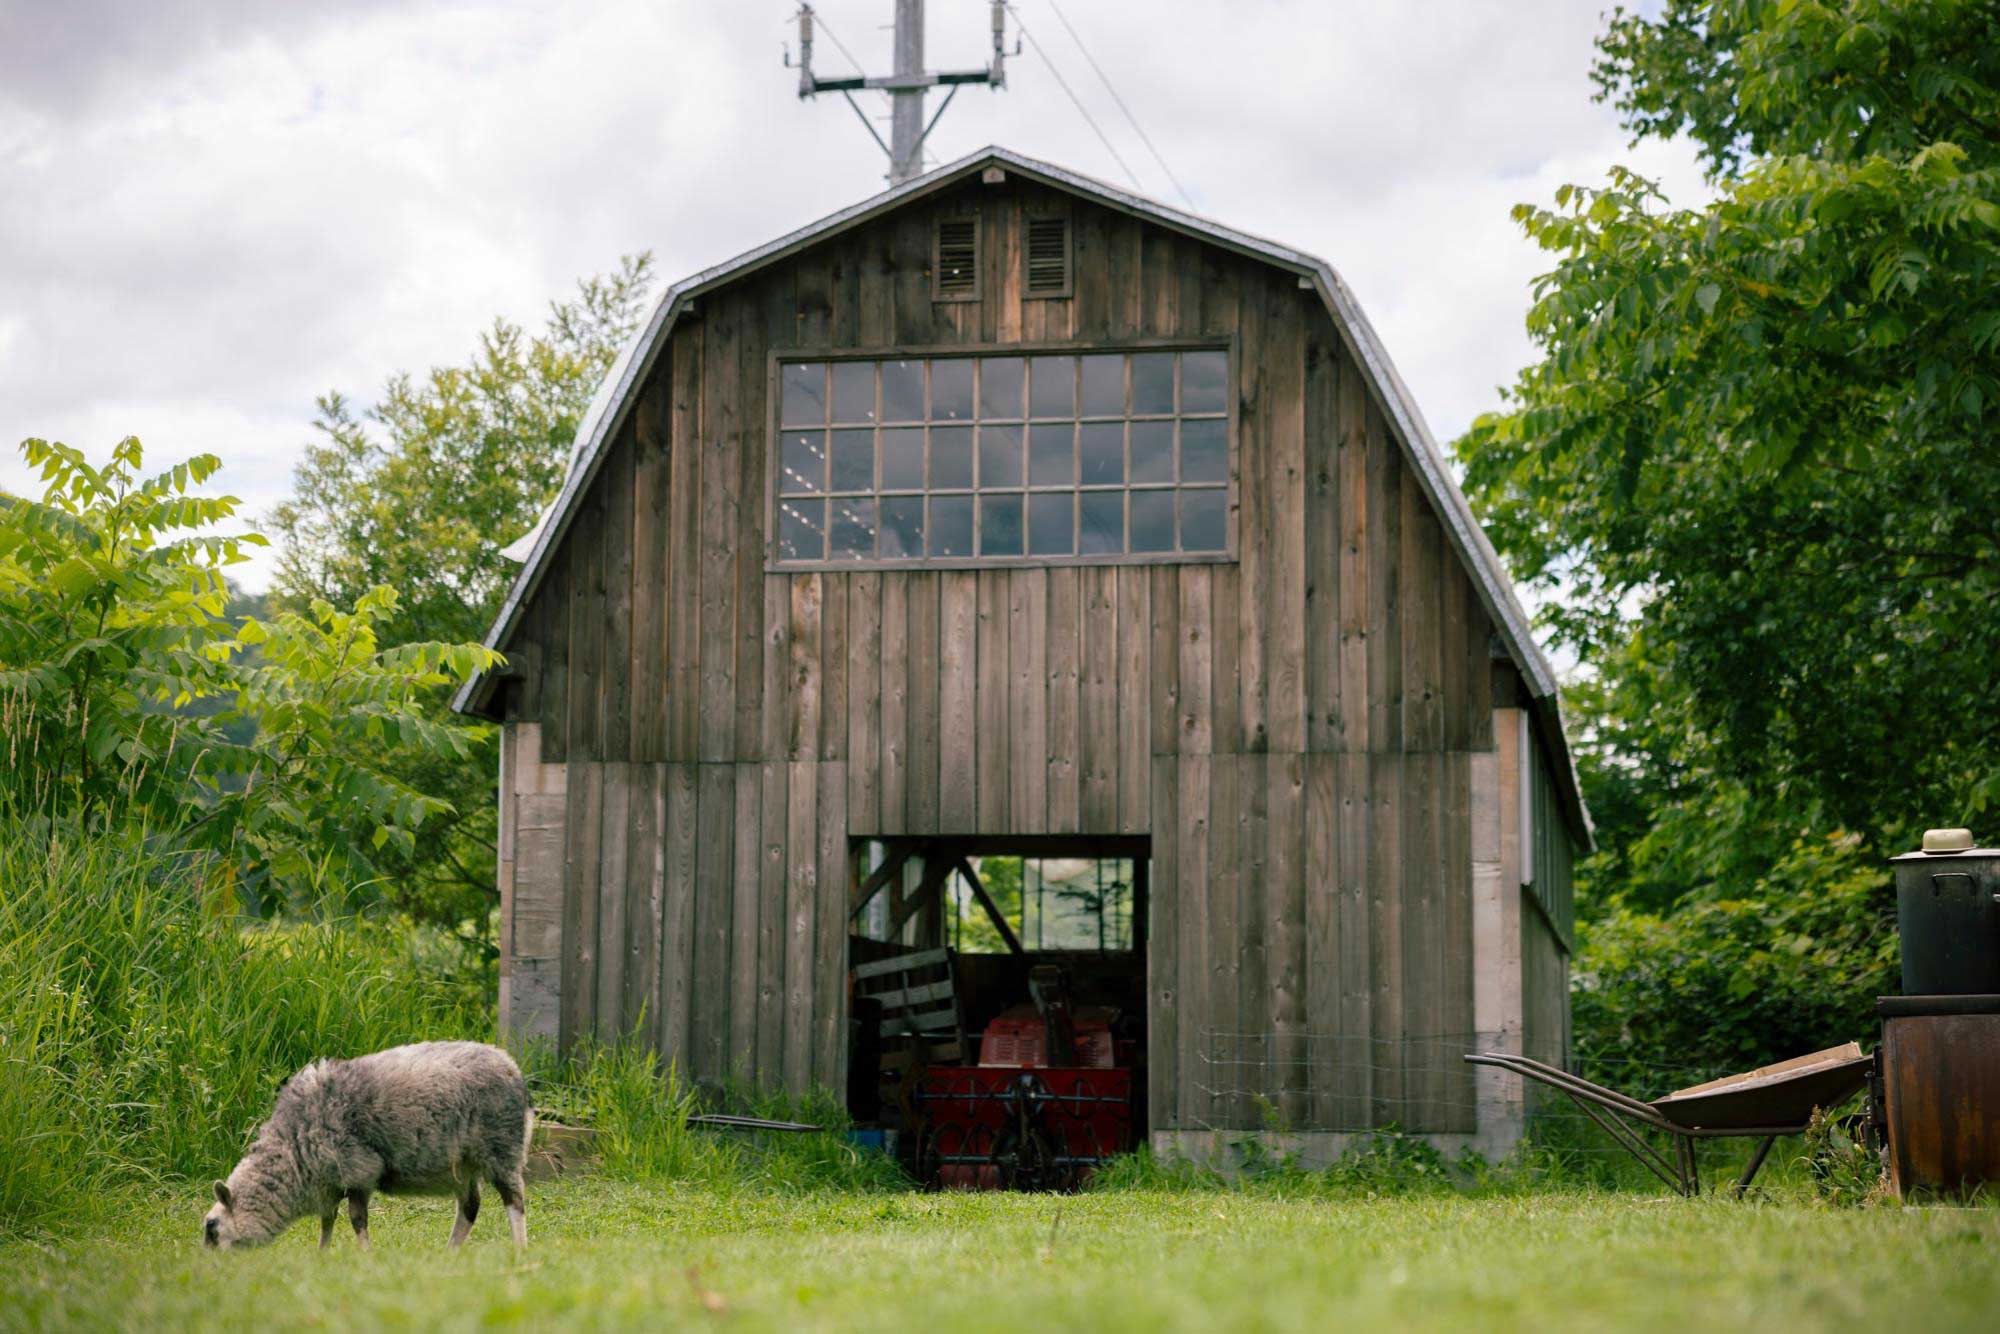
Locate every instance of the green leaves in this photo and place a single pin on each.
(129, 694)
(1755, 472)
(420, 494)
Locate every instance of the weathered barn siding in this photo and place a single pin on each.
(1294, 727)
(1548, 923)
(1544, 992)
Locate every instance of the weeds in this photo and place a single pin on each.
(1844, 1169)
(1376, 1164)
(640, 1111)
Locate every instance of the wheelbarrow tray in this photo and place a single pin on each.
(1762, 1104)
(1771, 1096)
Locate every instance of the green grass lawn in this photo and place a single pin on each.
(607, 1254)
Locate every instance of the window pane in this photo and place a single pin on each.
(1205, 450)
(804, 394)
(1052, 387)
(1104, 386)
(951, 457)
(951, 526)
(1152, 451)
(902, 391)
(854, 528)
(903, 528)
(1204, 382)
(1000, 381)
(1103, 523)
(1000, 525)
(803, 460)
(903, 458)
(853, 461)
(1052, 455)
(1202, 520)
(800, 530)
(1152, 382)
(1052, 523)
(1056, 466)
(1152, 521)
(854, 391)
(951, 391)
(999, 456)
(1103, 453)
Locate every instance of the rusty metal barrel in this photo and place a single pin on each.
(1939, 1061)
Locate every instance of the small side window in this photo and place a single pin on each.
(1048, 257)
(955, 260)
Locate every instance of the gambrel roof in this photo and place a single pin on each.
(1420, 450)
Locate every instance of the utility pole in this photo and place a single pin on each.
(907, 86)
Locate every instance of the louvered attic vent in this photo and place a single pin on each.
(955, 275)
(1048, 257)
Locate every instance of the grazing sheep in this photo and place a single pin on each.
(427, 1119)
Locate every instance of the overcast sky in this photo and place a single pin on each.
(213, 210)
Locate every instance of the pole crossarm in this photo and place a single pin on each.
(906, 87)
(896, 83)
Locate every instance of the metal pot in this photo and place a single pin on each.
(1948, 915)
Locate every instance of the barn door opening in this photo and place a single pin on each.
(998, 1016)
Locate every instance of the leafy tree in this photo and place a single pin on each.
(420, 494)
(423, 491)
(972, 929)
(1754, 468)
(1766, 424)
(128, 695)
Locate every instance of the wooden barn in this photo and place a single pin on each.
(1010, 528)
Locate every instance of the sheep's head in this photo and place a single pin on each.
(241, 1216)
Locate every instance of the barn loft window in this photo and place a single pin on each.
(1048, 257)
(1049, 458)
(955, 260)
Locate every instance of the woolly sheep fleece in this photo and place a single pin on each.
(432, 1118)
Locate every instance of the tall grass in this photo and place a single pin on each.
(144, 1027)
(640, 1113)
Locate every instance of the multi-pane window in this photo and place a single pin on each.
(1046, 456)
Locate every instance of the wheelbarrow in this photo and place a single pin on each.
(1759, 1104)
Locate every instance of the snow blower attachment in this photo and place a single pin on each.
(1049, 1100)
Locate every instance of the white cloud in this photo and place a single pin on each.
(212, 211)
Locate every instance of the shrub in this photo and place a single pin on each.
(1738, 976)
(128, 696)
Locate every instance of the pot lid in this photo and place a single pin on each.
(1947, 843)
(1947, 840)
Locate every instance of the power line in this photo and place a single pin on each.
(1077, 101)
(1106, 80)
(820, 21)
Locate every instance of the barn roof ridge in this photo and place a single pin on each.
(1489, 576)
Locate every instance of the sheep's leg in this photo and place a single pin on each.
(515, 1197)
(326, 1228)
(468, 1210)
(357, 1214)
